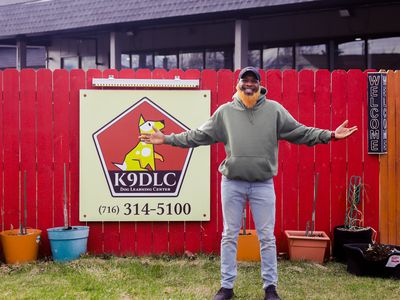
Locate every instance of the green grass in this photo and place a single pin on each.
(181, 278)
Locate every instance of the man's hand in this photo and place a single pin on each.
(153, 138)
(343, 131)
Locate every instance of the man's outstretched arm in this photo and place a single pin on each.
(186, 139)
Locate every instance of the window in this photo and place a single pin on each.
(193, 60)
(384, 53)
(8, 56)
(125, 61)
(70, 63)
(88, 62)
(311, 57)
(350, 55)
(254, 58)
(278, 58)
(215, 60)
(187, 60)
(78, 62)
(148, 61)
(36, 57)
(135, 61)
(142, 61)
(167, 62)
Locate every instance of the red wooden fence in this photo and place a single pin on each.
(39, 132)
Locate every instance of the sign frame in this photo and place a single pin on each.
(100, 120)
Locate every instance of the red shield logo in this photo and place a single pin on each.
(136, 169)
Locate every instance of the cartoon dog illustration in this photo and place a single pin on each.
(142, 155)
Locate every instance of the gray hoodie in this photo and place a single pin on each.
(250, 136)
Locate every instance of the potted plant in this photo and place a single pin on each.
(309, 244)
(21, 245)
(353, 231)
(67, 242)
(248, 248)
(376, 260)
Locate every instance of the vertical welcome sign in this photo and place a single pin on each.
(377, 113)
(125, 179)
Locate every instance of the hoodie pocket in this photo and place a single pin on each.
(250, 168)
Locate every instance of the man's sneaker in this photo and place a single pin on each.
(270, 293)
(223, 294)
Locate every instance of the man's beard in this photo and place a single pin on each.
(248, 101)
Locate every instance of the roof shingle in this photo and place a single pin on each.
(56, 15)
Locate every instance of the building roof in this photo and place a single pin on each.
(46, 16)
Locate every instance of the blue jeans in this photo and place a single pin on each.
(261, 196)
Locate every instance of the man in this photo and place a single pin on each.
(250, 127)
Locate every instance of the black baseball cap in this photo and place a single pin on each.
(251, 70)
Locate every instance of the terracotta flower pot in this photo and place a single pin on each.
(302, 247)
(248, 248)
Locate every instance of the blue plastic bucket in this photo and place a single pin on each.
(68, 244)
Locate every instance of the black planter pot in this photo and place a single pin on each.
(342, 235)
(357, 263)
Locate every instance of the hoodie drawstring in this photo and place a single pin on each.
(250, 114)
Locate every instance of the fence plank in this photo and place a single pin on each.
(322, 152)
(397, 126)
(384, 194)
(144, 230)
(226, 84)
(210, 242)
(176, 229)
(391, 158)
(127, 229)
(338, 164)
(12, 196)
(160, 229)
(355, 143)
(77, 82)
(290, 155)
(28, 142)
(111, 229)
(61, 141)
(1, 154)
(96, 237)
(371, 170)
(45, 179)
(273, 83)
(192, 229)
(306, 154)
